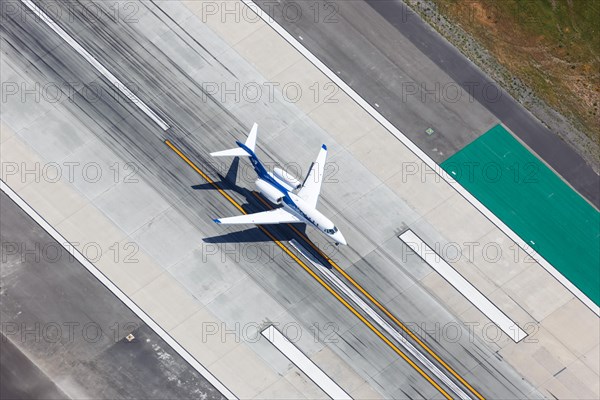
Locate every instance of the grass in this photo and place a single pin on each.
(553, 46)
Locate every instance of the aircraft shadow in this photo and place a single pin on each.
(229, 182)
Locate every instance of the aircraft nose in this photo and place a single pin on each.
(340, 238)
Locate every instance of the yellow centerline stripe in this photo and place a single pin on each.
(381, 307)
(315, 276)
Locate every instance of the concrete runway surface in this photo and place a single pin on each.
(170, 61)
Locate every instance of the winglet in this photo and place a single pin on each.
(216, 220)
(324, 147)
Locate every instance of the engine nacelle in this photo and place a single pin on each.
(287, 178)
(272, 194)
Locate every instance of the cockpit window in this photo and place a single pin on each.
(331, 231)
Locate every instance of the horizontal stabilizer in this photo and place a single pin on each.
(240, 152)
(237, 152)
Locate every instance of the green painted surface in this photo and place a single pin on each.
(535, 203)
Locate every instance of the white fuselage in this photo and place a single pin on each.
(295, 205)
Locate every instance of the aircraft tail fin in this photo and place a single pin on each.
(239, 151)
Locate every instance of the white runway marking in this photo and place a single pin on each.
(343, 288)
(484, 305)
(116, 291)
(421, 155)
(106, 73)
(305, 364)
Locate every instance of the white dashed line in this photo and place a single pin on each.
(305, 364)
(470, 292)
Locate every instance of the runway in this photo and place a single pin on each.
(239, 276)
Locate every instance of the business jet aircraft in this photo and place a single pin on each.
(298, 200)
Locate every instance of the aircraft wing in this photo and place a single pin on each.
(276, 216)
(312, 183)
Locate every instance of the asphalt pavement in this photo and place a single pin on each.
(65, 335)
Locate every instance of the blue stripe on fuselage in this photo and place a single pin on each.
(262, 173)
